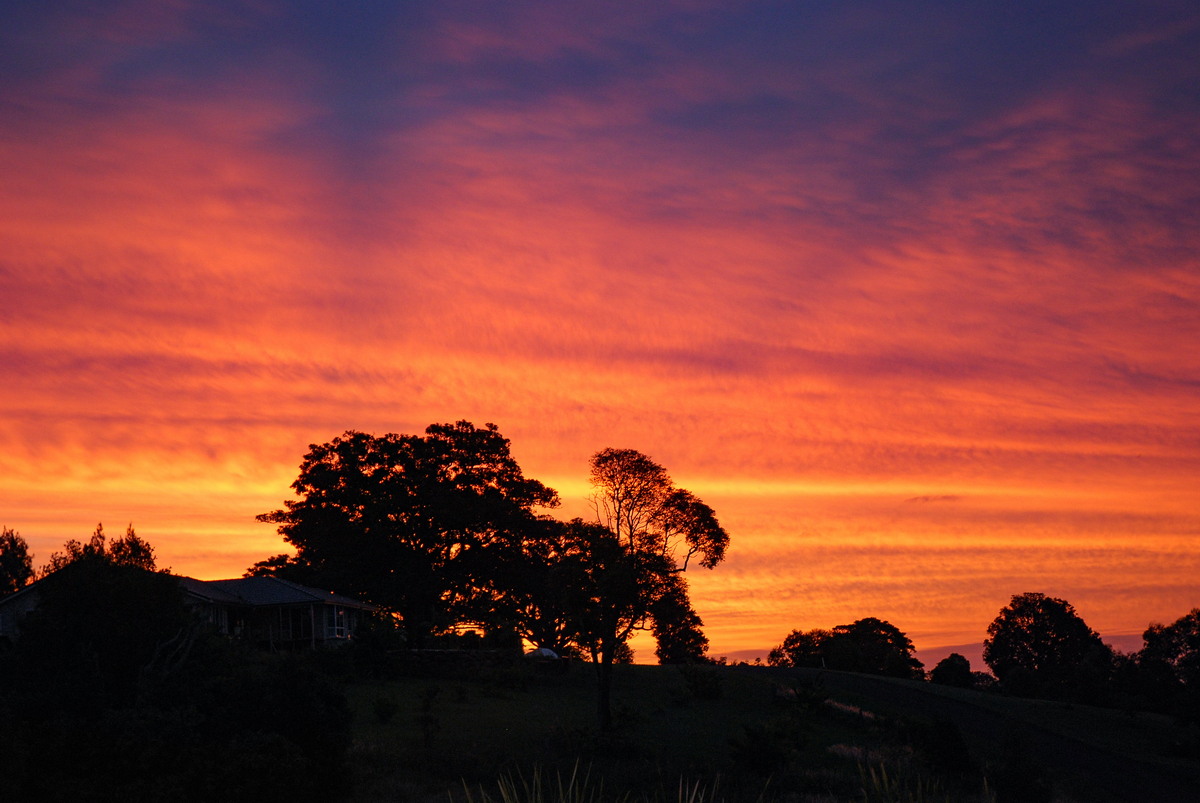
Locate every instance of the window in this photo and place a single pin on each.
(335, 622)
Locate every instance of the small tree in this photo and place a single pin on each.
(953, 670)
(16, 564)
(129, 550)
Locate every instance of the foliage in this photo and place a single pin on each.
(16, 565)
(637, 501)
(414, 524)
(880, 786)
(953, 670)
(129, 550)
(871, 646)
(676, 626)
(801, 649)
(1038, 646)
(99, 627)
(1176, 646)
(874, 647)
(648, 533)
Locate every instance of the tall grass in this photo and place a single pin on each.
(578, 787)
(880, 786)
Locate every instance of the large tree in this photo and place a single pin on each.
(16, 565)
(1039, 646)
(416, 524)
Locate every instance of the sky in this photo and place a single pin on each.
(909, 293)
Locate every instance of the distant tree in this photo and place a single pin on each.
(1039, 646)
(871, 646)
(129, 550)
(953, 670)
(1176, 646)
(801, 649)
(415, 524)
(16, 564)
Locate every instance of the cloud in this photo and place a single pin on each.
(858, 253)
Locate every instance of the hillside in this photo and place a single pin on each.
(743, 730)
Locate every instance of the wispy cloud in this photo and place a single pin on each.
(947, 252)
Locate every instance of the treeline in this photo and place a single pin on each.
(1037, 646)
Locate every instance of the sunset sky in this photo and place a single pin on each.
(908, 292)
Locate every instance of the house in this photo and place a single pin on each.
(269, 611)
(275, 612)
(13, 609)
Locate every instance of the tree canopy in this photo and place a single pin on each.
(953, 670)
(128, 550)
(1039, 646)
(415, 524)
(1176, 646)
(637, 501)
(870, 646)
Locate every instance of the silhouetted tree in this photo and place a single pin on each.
(98, 627)
(1039, 646)
(1176, 646)
(415, 524)
(637, 501)
(874, 647)
(16, 565)
(610, 591)
(676, 626)
(871, 646)
(129, 550)
(537, 600)
(953, 670)
(654, 531)
(802, 648)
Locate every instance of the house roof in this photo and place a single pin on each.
(239, 591)
(207, 590)
(266, 591)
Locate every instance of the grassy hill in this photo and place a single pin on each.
(746, 733)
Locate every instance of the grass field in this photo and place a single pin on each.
(721, 733)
